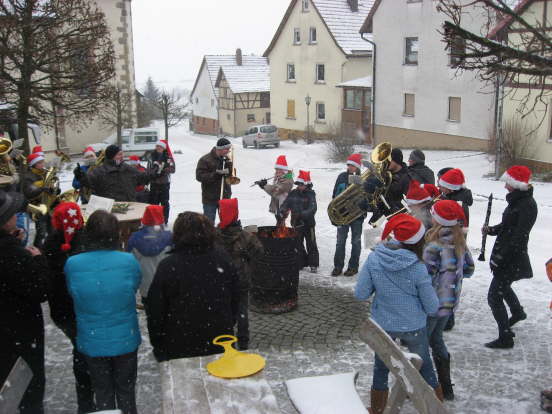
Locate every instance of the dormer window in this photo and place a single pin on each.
(305, 5)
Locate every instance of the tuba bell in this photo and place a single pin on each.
(344, 209)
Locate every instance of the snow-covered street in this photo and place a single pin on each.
(321, 340)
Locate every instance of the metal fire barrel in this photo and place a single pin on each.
(275, 281)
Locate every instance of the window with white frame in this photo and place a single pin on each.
(454, 109)
(409, 104)
(305, 5)
(297, 36)
(312, 35)
(320, 111)
(457, 46)
(411, 51)
(320, 73)
(291, 72)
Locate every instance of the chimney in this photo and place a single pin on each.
(238, 57)
(353, 4)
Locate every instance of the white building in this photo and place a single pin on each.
(315, 51)
(420, 98)
(204, 95)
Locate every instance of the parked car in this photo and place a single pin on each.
(260, 136)
(137, 141)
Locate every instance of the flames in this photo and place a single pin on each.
(282, 232)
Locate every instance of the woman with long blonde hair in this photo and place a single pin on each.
(448, 261)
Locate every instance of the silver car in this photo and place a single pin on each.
(260, 136)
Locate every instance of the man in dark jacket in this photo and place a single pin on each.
(163, 163)
(244, 248)
(351, 176)
(114, 178)
(301, 202)
(418, 170)
(24, 284)
(211, 171)
(509, 259)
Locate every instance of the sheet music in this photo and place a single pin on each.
(98, 203)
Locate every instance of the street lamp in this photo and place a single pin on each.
(308, 102)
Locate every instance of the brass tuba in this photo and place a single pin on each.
(7, 169)
(344, 209)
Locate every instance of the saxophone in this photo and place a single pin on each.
(344, 209)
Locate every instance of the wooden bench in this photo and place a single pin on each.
(188, 388)
(405, 368)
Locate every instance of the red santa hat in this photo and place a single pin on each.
(433, 190)
(303, 178)
(355, 160)
(38, 150)
(67, 218)
(416, 194)
(34, 158)
(281, 163)
(448, 213)
(452, 179)
(133, 160)
(228, 212)
(518, 177)
(153, 216)
(405, 228)
(89, 152)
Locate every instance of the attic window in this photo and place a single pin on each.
(312, 35)
(297, 36)
(305, 5)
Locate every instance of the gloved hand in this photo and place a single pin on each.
(355, 179)
(223, 171)
(77, 172)
(261, 183)
(485, 230)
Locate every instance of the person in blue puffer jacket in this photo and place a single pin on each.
(403, 298)
(150, 245)
(103, 284)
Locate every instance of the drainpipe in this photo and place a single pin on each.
(373, 111)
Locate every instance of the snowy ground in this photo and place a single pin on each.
(486, 381)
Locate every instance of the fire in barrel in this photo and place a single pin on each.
(275, 281)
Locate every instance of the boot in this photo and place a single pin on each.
(350, 272)
(378, 400)
(443, 373)
(439, 392)
(516, 317)
(504, 341)
(336, 272)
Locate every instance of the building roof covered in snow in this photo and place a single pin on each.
(342, 18)
(251, 78)
(365, 82)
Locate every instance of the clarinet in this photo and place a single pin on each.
(484, 239)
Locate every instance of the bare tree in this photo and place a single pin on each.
(516, 60)
(173, 110)
(117, 111)
(57, 60)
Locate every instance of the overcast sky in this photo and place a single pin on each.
(171, 36)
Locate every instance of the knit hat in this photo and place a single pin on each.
(223, 143)
(67, 217)
(397, 155)
(133, 160)
(433, 190)
(111, 151)
(405, 228)
(448, 213)
(228, 212)
(89, 152)
(452, 179)
(32, 159)
(303, 178)
(355, 160)
(10, 203)
(417, 156)
(153, 216)
(38, 150)
(518, 177)
(281, 163)
(416, 194)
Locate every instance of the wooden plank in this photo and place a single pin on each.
(183, 388)
(15, 386)
(405, 373)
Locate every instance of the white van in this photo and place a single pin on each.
(137, 141)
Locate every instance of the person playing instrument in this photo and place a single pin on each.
(418, 170)
(116, 179)
(448, 261)
(89, 157)
(211, 171)
(7, 166)
(163, 162)
(351, 176)
(278, 191)
(509, 260)
(142, 195)
(419, 201)
(452, 184)
(301, 202)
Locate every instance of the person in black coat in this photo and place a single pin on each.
(301, 202)
(67, 239)
(162, 162)
(510, 259)
(418, 170)
(194, 295)
(24, 285)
